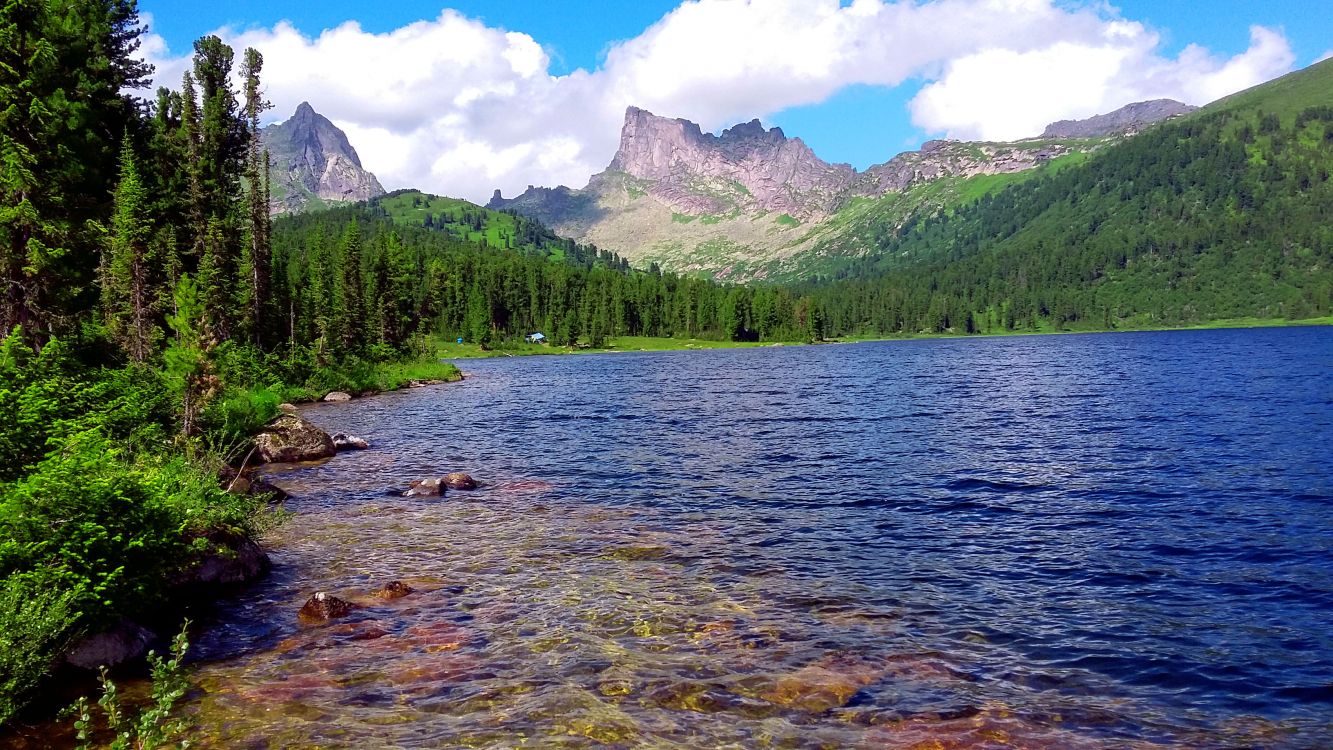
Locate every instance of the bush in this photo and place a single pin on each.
(96, 525)
(231, 420)
(36, 623)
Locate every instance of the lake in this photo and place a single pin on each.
(1102, 541)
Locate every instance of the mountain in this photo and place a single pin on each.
(312, 164)
(751, 203)
(1127, 120)
(1218, 215)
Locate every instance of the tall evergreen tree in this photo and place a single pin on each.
(63, 70)
(127, 296)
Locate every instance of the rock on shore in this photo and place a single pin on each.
(289, 438)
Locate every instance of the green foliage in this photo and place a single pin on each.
(155, 724)
(48, 396)
(1219, 216)
(94, 523)
(36, 621)
(787, 220)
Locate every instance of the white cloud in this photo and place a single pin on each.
(1328, 55)
(1001, 94)
(457, 107)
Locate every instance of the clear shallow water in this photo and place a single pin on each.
(1076, 541)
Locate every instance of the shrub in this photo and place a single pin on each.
(36, 622)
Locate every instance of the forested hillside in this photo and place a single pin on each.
(457, 277)
(1224, 214)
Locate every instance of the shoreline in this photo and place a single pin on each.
(629, 344)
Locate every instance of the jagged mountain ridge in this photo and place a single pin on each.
(312, 163)
(743, 202)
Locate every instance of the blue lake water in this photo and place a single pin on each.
(1114, 540)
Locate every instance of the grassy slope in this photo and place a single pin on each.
(498, 229)
(1285, 96)
(1247, 263)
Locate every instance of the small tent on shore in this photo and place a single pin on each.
(536, 338)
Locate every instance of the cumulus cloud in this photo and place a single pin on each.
(455, 106)
(1003, 94)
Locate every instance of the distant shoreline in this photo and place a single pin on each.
(620, 344)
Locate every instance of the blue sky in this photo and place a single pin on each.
(735, 60)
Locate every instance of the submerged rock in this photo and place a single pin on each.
(430, 487)
(344, 442)
(324, 606)
(457, 480)
(337, 396)
(394, 590)
(290, 438)
(124, 641)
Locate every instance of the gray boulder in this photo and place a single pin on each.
(430, 487)
(123, 642)
(290, 438)
(344, 442)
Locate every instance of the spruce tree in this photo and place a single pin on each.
(127, 297)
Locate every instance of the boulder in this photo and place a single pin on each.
(287, 408)
(394, 590)
(344, 442)
(290, 438)
(124, 641)
(260, 486)
(246, 483)
(337, 396)
(430, 487)
(457, 480)
(241, 562)
(423, 383)
(324, 606)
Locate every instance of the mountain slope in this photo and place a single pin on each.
(1128, 119)
(312, 164)
(751, 203)
(500, 230)
(1221, 214)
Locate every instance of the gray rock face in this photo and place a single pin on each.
(1130, 118)
(938, 159)
(701, 173)
(726, 204)
(312, 163)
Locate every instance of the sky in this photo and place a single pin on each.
(461, 98)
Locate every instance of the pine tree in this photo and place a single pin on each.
(257, 254)
(63, 70)
(187, 362)
(126, 293)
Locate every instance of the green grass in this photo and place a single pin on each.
(448, 349)
(682, 218)
(787, 220)
(1286, 96)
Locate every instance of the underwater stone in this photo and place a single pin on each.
(324, 606)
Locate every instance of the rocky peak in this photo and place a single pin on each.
(312, 163)
(1130, 118)
(746, 166)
